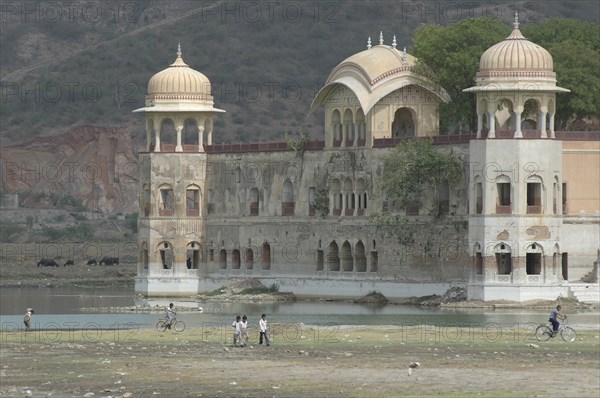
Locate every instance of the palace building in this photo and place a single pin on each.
(523, 223)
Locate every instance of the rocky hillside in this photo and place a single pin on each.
(86, 168)
(64, 64)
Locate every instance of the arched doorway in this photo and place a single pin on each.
(403, 124)
(346, 257)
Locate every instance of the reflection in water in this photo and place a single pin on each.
(63, 306)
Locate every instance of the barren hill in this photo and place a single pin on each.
(88, 166)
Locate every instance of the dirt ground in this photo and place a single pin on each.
(301, 362)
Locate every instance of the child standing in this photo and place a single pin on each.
(244, 331)
(237, 333)
(27, 319)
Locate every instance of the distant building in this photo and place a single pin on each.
(525, 220)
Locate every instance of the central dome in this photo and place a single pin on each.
(376, 64)
(179, 81)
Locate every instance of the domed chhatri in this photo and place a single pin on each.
(513, 73)
(180, 88)
(516, 58)
(179, 81)
(376, 93)
(181, 96)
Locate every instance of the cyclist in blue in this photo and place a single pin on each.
(555, 315)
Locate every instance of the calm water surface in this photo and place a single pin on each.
(63, 308)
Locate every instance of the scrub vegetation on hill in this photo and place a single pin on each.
(265, 65)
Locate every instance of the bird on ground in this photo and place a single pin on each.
(413, 365)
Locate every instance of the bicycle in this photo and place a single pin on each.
(163, 324)
(544, 332)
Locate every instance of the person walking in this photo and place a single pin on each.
(27, 318)
(263, 330)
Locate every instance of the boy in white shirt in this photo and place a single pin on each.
(244, 331)
(263, 330)
(238, 330)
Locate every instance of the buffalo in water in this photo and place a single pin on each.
(69, 262)
(92, 261)
(47, 262)
(109, 260)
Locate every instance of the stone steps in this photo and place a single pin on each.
(592, 276)
(585, 292)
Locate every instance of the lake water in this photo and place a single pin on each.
(65, 308)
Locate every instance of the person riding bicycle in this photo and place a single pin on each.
(555, 315)
(170, 315)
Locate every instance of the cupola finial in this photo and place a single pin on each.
(369, 43)
(178, 50)
(516, 23)
(380, 37)
(394, 44)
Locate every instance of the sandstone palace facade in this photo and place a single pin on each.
(523, 223)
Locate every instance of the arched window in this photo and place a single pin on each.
(287, 199)
(346, 257)
(534, 254)
(531, 117)
(190, 133)
(505, 115)
(265, 258)
(193, 255)
(503, 199)
(348, 127)
(503, 259)
(336, 128)
(359, 257)
(478, 259)
(333, 257)
(192, 201)
(223, 259)
(534, 194)
(254, 203)
(235, 259)
(361, 127)
(478, 195)
(168, 135)
(349, 200)
(334, 188)
(166, 205)
(249, 258)
(166, 254)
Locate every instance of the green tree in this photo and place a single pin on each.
(415, 167)
(452, 52)
(575, 49)
(413, 170)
